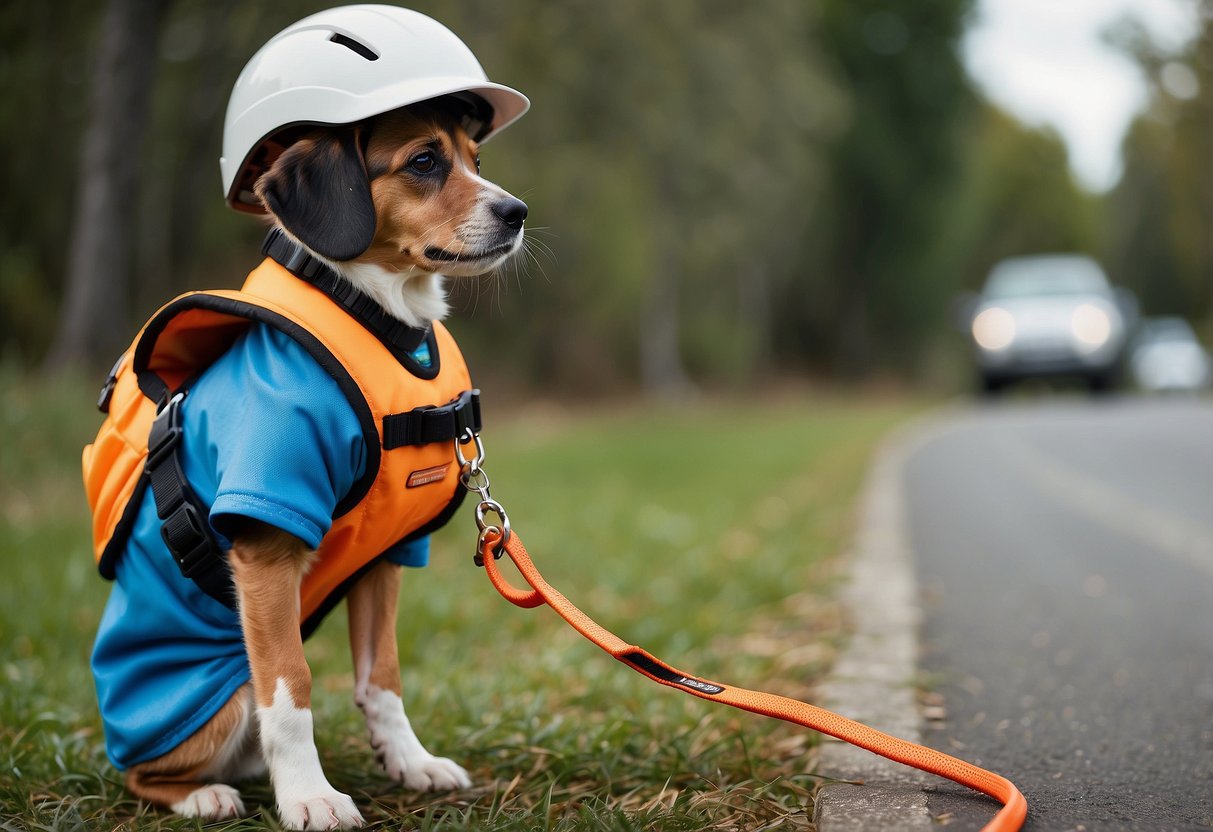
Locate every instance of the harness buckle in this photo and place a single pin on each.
(107, 389)
(433, 423)
(166, 431)
(188, 539)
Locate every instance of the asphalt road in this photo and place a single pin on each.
(1064, 551)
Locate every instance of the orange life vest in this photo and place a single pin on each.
(409, 417)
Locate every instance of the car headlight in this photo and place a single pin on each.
(994, 329)
(1090, 326)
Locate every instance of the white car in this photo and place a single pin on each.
(1167, 357)
(1048, 316)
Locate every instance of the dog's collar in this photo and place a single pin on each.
(396, 335)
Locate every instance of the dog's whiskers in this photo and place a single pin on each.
(531, 249)
(536, 248)
(434, 228)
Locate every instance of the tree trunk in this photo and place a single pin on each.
(661, 370)
(93, 324)
(757, 319)
(1208, 190)
(177, 203)
(854, 334)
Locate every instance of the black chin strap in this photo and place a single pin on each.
(396, 335)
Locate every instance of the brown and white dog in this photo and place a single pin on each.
(393, 205)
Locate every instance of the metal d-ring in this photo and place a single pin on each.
(492, 505)
(476, 481)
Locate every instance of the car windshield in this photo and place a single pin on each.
(1046, 277)
(1167, 330)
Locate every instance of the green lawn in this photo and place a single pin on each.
(708, 534)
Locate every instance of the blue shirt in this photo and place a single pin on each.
(268, 435)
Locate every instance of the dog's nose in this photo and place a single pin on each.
(511, 211)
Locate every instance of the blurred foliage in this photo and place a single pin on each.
(43, 102)
(719, 192)
(1014, 195)
(889, 172)
(1159, 239)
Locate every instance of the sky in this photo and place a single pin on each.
(1044, 61)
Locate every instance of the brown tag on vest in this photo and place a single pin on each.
(427, 475)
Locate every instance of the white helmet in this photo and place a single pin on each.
(344, 65)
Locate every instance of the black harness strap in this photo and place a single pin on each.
(425, 425)
(396, 335)
(183, 517)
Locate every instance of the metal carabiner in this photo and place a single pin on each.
(476, 480)
(469, 465)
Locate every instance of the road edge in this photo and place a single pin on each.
(873, 680)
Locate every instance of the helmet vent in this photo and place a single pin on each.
(354, 46)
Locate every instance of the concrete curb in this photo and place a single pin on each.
(873, 679)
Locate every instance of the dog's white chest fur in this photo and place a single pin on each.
(416, 299)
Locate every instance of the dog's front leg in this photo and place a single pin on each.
(268, 567)
(372, 611)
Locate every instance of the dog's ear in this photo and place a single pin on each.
(318, 190)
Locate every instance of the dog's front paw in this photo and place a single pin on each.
(329, 810)
(213, 802)
(399, 751)
(427, 773)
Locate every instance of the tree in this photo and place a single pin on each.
(1160, 215)
(1016, 195)
(675, 152)
(890, 170)
(96, 303)
(43, 90)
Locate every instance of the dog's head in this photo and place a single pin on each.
(401, 192)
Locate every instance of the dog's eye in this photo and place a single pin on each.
(422, 163)
(477, 163)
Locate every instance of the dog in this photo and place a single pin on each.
(394, 205)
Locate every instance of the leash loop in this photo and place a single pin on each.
(528, 598)
(489, 536)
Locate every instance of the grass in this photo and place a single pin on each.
(709, 535)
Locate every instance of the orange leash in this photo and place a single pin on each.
(1009, 818)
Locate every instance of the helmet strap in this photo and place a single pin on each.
(477, 118)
